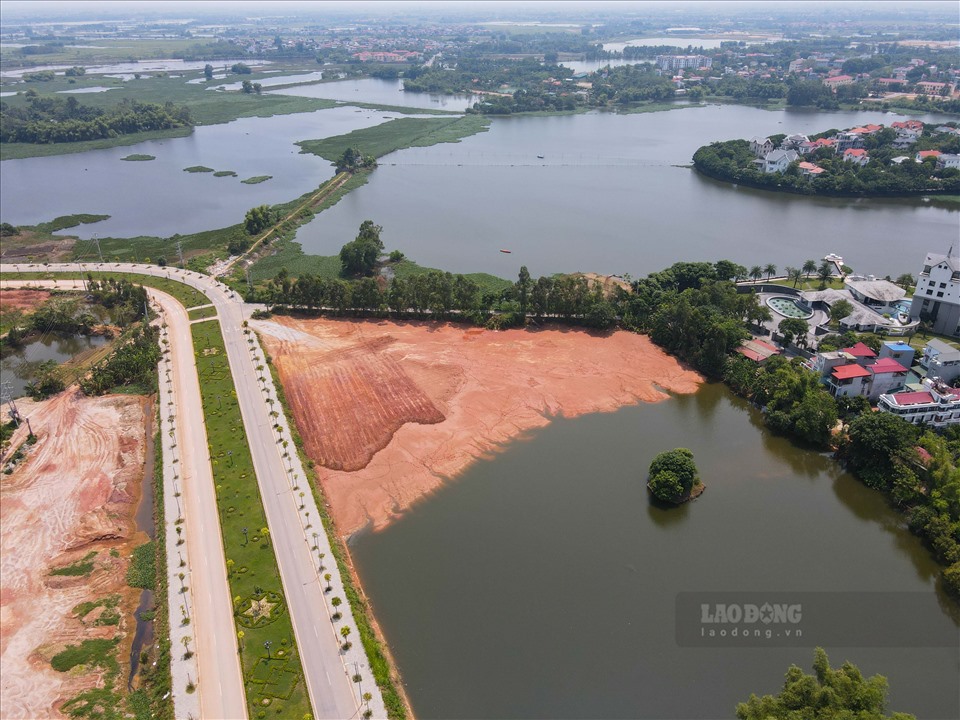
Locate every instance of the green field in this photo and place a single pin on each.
(398, 134)
(251, 565)
(201, 313)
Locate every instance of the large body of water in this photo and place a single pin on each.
(381, 92)
(612, 195)
(157, 197)
(541, 583)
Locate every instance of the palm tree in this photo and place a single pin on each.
(794, 274)
(344, 632)
(770, 269)
(336, 604)
(809, 267)
(824, 273)
(327, 578)
(755, 273)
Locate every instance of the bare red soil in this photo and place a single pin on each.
(22, 299)
(75, 492)
(391, 410)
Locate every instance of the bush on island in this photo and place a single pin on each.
(673, 475)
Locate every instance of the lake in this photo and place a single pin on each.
(542, 583)
(157, 197)
(612, 194)
(381, 92)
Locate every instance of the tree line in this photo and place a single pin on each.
(51, 120)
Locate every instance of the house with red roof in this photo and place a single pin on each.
(857, 156)
(888, 376)
(937, 405)
(836, 81)
(810, 169)
(848, 380)
(862, 353)
(757, 350)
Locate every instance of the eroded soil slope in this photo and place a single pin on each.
(75, 493)
(390, 410)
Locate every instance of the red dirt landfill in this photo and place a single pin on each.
(72, 497)
(390, 410)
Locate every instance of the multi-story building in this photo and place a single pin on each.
(940, 360)
(683, 62)
(936, 405)
(936, 298)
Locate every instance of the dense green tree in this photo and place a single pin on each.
(829, 694)
(839, 310)
(259, 219)
(208, 71)
(523, 288)
(673, 468)
(793, 329)
(875, 442)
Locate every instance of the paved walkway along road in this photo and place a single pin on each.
(218, 677)
(328, 669)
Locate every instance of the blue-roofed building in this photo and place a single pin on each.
(899, 351)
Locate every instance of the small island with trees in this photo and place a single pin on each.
(907, 158)
(674, 478)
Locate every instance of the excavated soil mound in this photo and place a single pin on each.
(21, 299)
(390, 410)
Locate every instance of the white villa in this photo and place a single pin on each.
(937, 295)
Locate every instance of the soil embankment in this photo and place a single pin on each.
(74, 494)
(392, 410)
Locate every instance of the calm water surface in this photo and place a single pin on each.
(19, 366)
(157, 197)
(611, 195)
(382, 92)
(542, 582)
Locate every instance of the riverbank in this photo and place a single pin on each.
(439, 397)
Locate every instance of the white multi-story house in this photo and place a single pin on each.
(937, 296)
(779, 160)
(886, 376)
(937, 405)
(761, 146)
(857, 156)
(940, 360)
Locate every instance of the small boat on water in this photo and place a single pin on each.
(539, 157)
(507, 252)
(834, 258)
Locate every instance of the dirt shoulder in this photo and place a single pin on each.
(392, 410)
(75, 493)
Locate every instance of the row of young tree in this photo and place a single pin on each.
(53, 120)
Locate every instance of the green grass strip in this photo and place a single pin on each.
(251, 565)
(202, 313)
(398, 134)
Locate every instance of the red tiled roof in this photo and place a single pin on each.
(847, 372)
(859, 350)
(855, 152)
(928, 153)
(913, 398)
(886, 365)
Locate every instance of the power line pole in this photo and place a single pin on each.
(6, 396)
(96, 239)
(180, 251)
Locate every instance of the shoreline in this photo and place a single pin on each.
(436, 399)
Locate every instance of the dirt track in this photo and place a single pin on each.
(391, 410)
(77, 491)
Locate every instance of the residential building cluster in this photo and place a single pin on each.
(916, 386)
(849, 144)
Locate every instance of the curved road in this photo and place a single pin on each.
(332, 692)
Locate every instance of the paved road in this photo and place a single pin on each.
(332, 692)
(220, 681)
